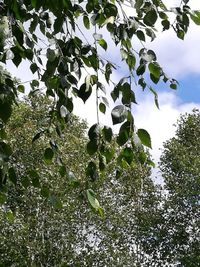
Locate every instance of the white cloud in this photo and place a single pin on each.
(159, 123)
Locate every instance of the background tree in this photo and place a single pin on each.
(180, 166)
(43, 223)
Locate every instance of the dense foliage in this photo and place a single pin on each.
(180, 165)
(44, 224)
(67, 48)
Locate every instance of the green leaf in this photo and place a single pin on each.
(102, 107)
(128, 95)
(154, 69)
(21, 88)
(131, 60)
(150, 18)
(51, 55)
(91, 196)
(38, 134)
(86, 22)
(124, 53)
(91, 171)
(150, 33)
(119, 114)
(141, 69)
(195, 17)
(5, 111)
(107, 133)
(94, 61)
(140, 35)
(173, 86)
(144, 137)
(10, 216)
(48, 155)
(5, 151)
(180, 34)
(92, 147)
(103, 44)
(84, 92)
(94, 132)
(154, 79)
(165, 24)
(110, 10)
(108, 71)
(124, 133)
(127, 154)
(155, 97)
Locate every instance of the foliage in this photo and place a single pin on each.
(65, 48)
(47, 225)
(180, 166)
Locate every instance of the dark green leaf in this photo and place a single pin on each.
(102, 107)
(154, 79)
(84, 93)
(92, 147)
(173, 86)
(5, 151)
(21, 88)
(124, 133)
(94, 132)
(86, 22)
(141, 69)
(91, 171)
(48, 155)
(144, 137)
(110, 10)
(107, 133)
(150, 17)
(165, 24)
(5, 111)
(140, 35)
(38, 134)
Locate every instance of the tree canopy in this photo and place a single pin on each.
(180, 169)
(37, 232)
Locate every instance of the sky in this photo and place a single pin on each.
(180, 60)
